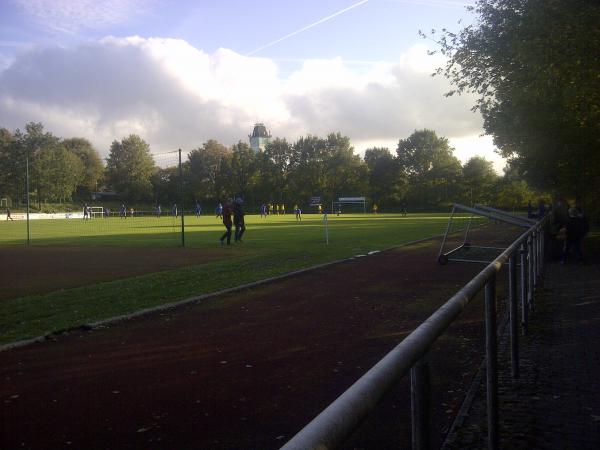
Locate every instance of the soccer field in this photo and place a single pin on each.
(66, 293)
(281, 230)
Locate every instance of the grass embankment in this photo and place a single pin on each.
(271, 247)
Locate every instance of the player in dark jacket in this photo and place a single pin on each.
(226, 213)
(238, 219)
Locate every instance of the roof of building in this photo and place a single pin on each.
(260, 131)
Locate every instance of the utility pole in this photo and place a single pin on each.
(181, 201)
(27, 188)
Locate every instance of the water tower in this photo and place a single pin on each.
(259, 137)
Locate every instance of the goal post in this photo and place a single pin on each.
(337, 205)
(97, 211)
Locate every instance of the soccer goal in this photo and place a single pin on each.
(349, 204)
(464, 249)
(97, 211)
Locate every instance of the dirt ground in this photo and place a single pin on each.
(36, 270)
(246, 371)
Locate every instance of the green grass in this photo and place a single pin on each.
(271, 247)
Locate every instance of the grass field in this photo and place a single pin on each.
(272, 246)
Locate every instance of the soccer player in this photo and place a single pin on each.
(158, 210)
(226, 212)
(123, 212)
(263, 211)
(298, 212)
(8, 216)
(198, 209)
(86, 212)
(238, 219)
(174, 210)
(219, 210)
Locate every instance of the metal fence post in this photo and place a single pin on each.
(513, 311)
(530, 274)
(420, 405)
(542, 249)
(524, 307)
(537, 255)
(181, 193)
(491, 359)
(534, 256)
(27, 187)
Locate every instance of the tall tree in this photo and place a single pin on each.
(307, 177)
(7, 167)
(59, 172)
(129, 168)
(346, 173)
(275, 165)
(243, 170)
(165, 185)
(531, 64)
(93, 168)
(387, 181)
(479, 180)
(39, 147)
(205, 170)
(432, 168)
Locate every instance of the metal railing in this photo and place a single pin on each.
(337, 422)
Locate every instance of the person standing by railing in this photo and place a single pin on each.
(576, 230)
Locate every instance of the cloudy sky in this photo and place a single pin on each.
(181, 72)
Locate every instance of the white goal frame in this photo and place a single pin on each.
(96, 211)
(349, 201)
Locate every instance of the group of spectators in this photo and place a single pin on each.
(570, 218)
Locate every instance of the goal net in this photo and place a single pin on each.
(482, 237)
(349, 204)
(97, 211)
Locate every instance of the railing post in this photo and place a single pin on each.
(524, 307)
(530, 275)
(491, 359)
(513, 312)
(537, 255)
(420, 405)
(542, 248)
(534, 256)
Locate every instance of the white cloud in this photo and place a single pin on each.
(175, 95)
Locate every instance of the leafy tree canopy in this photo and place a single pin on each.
(533, 65)
(129, 168)
(92, 164)
(479, 178)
